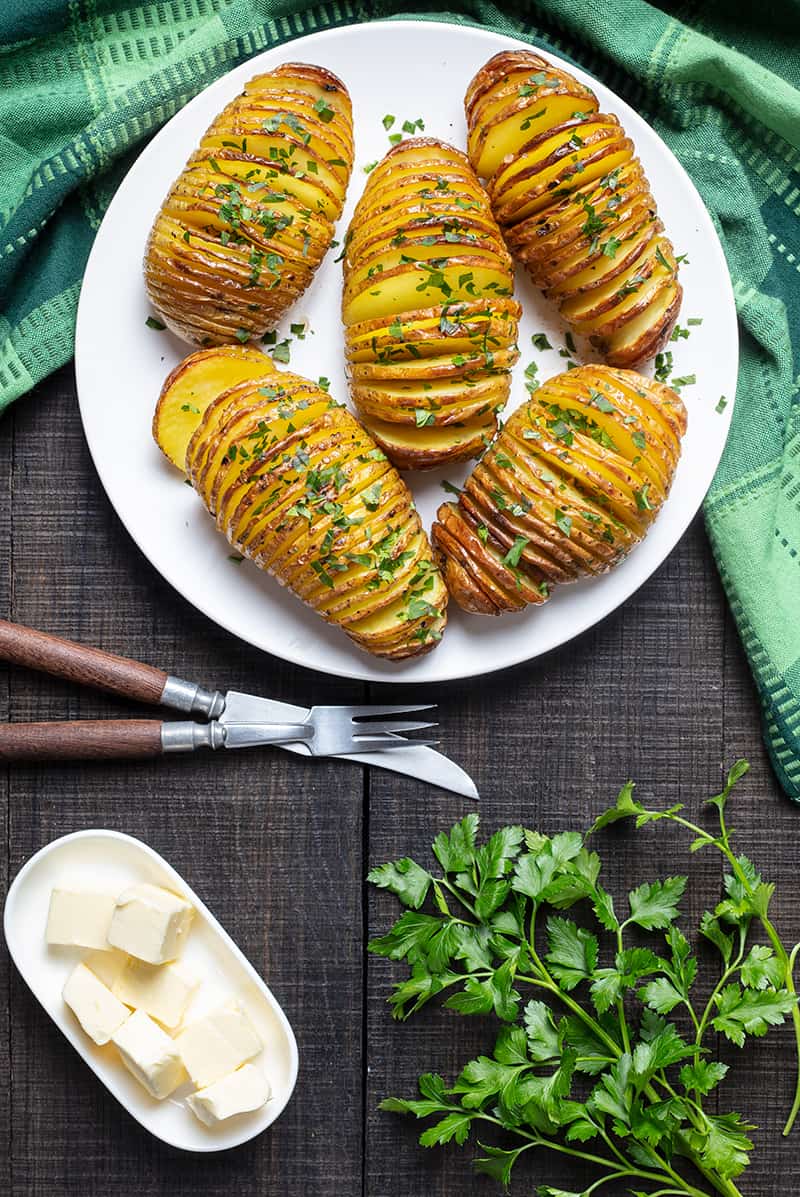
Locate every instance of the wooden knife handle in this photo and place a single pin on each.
(87, 739)
(79, 663)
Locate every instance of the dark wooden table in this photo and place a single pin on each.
(279, 848)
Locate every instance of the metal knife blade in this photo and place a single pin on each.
(426, 764)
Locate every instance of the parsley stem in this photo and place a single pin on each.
(623, 1023)
(723, 845)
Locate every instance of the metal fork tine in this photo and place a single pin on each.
(393, 726)
(363, 712)
(363, 743)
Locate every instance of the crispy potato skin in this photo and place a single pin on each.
(244, 227)
(430, 324)
(572, 483)
(298, 487)
(574, 205)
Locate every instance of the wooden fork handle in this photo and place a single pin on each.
(87, 739)
(79, 663)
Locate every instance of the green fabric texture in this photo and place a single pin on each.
(84, 83)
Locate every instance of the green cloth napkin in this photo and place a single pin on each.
(84, 83)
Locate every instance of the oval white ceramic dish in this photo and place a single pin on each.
(107, 859)
(121, 363)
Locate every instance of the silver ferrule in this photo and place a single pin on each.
(186, 696)
(186, 737)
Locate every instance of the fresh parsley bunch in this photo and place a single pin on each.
(589, 1060)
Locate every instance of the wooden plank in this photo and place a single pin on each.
(767, 827)
(6, 582)
(272, 843)
(550, 744)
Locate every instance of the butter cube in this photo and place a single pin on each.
(149, 1054)
(216, 1045)
(238, 1093)
(79, 918)
(150, 923)
(162, 990)
(107, 965)
(93, 1004)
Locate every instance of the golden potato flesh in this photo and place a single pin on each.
(193, 385)
(430, 324)
(298, 487)
(245, 226)
(572, 483)
(574, 205)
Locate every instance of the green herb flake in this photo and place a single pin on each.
(515, 552)
(324, 110)
(153, 323)
(563, 522)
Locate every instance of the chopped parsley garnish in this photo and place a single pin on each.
(282, 352)
(152, 322)
(642, 501)
(540, 341)
(600, 402)
(722, 403)
(324, 110)
(563, 522)
(423, 418)
(243, 335)
(663, 366)
(190, 407)
(531, 381)
(371, 496)
(388, 121)
(515, 552)
(450, 487)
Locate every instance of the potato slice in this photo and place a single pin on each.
(193, 385)
(252, 214)
(573, 204)
(573, 482)
(299, 488)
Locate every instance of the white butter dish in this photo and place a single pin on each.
(110, 860)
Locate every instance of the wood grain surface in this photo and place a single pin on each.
(279, 847)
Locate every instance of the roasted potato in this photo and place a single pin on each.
(573, 481)
(298, 487)
(431, 327)
(574, 205)
(245, 226)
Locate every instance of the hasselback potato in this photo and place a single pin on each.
(298, 487)
(574, 480)
(245, 226)
(574, 205)
(431, 325)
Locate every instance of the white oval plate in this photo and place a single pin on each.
(94, 860)
(409, 69)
